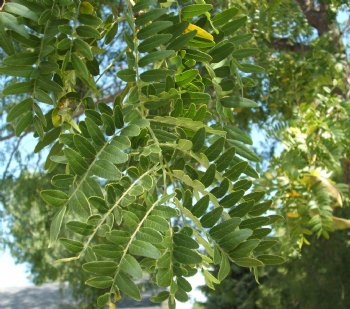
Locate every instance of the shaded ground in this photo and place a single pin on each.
(49, 296)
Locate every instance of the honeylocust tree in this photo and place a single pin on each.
(134, 104)
(308, 104)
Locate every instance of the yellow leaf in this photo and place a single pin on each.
(56, 118)
(74, 125)
(200, 32)
(341, 223)
(86, 8)
(293, 194)
(292, 215)
(112, 306)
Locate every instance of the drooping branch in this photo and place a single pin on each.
(317, 17)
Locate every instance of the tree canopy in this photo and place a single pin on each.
(133, 121)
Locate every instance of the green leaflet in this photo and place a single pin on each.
(19, 109)
(100, 267)
(195, 97)
(141, 248)
(181, 239)
(236, 101)
(237, 134)
(232, 198)
(150, 235)
(154, 41)
(153, 29)
(18, 88)
(244, 249)
(143, 5)
(235, 171)
(250, 68)
(71, 245)
(25, 58)
(224, 269)
(155, 56)
(127, 75)
(80, 67)
(21, 10)
(209, 176)
(80, 227)
(17, 71)
(83, 48)
(214, 150)
(184, 284)
(223, 228)
(193, 10)
(224, 16)
(225, 159)
(154, 75)
(186, 77)
(222, 51)
(9, 21)
(105, 169)
(101, 282)
(198, 55)
(244, 151)
(95, 132)
(186, 123)
(200, 207)
(149, 16)
(107, 250)
(231, 240)
(87, 32)
(248, 262)
(103, 300)
(209, 219)
(157, 223)
(75, 161)
(253, 223)
(56, 225)
(245, 52)
(198, 140)
(85, 148)
(181, 41)
(127, 286)
(54, 197)
(241, 209)
(186, 256)
(111, 33)
(210, 279)
(232, 26)
(90, 20)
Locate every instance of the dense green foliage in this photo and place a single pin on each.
(318, 278)
(156, 180)
(306, 107)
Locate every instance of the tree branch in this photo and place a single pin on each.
(6, 137)
(286, 45)
(317, 18)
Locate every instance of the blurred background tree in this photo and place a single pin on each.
(304, 115)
